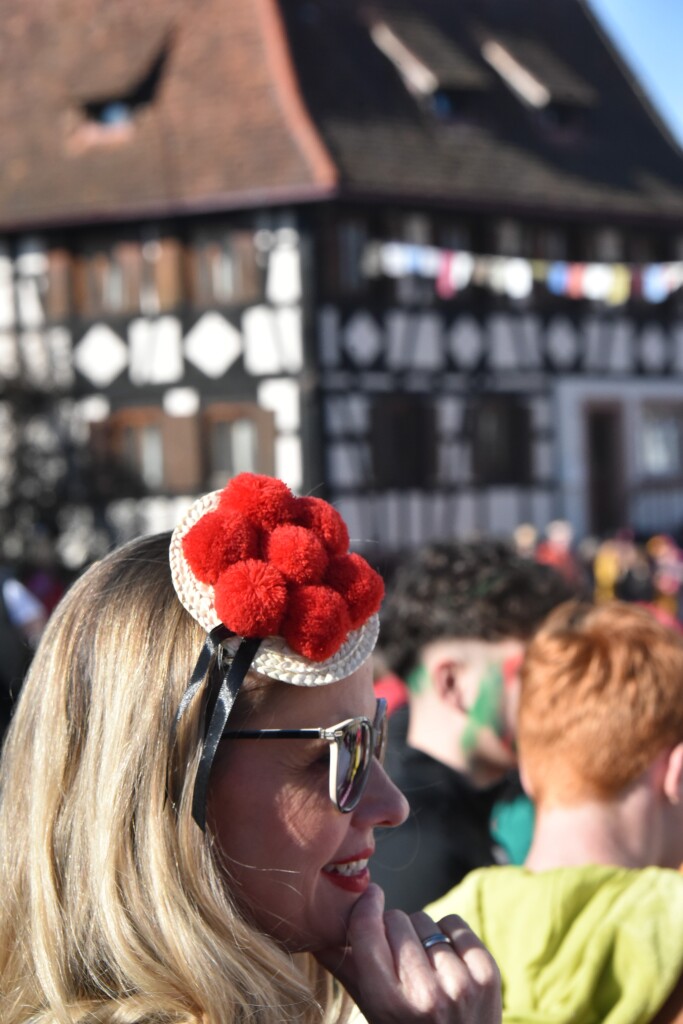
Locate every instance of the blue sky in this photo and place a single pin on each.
(649, 33)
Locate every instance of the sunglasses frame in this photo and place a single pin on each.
(334, 735)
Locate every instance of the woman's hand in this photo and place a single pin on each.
(393, 978)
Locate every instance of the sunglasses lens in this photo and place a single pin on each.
(353, 761)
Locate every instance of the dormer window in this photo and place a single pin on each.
(520, 80)
(112, 97)
(556, 94)
(114, 111)
(440, 75)
(418, 78)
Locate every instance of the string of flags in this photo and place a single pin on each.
(515, 277)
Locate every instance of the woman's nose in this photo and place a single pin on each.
(383, 803)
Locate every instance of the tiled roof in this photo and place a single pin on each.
(225, 123)
(499, 153)
(237, 102)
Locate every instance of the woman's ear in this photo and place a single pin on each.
(673, 775)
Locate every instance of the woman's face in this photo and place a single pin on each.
(297, 862)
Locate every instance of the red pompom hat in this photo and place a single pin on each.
(268, 565)
(270, 578)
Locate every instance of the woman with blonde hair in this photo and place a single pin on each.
(185, 839)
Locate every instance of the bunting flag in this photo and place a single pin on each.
(453, 271)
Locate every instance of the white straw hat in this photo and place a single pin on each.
(275, 658)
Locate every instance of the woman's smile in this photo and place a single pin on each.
(352, 873)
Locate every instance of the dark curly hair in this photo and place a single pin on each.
(471, 590)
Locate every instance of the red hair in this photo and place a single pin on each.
(602, 696)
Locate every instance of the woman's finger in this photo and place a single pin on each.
(471, 950)
(413, 965)
(367, 946)
(447, 967)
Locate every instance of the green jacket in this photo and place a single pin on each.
(586, 945)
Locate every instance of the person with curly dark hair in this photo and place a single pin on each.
(454, 626)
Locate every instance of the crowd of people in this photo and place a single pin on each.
(243, 783)
(623, 565)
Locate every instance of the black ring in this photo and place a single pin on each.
(435, 940)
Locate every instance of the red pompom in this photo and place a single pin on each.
(322, 517)
(298, 553)
(216, 541)
(265, 501)
(361, 587)
(251, 598)
(316, 623)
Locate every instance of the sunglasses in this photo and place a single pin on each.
(353, 744)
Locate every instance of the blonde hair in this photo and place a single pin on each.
(113, 906)
(600, 699)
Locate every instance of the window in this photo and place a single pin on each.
(126, 277)
(403, 441)
(414, 229)
(454, 235)
(343, 265)
(455, 104)
(57, 298)
(162, 285)
(110, 278)
(113, 111)
(225, 269)
(662, 441)
(641, 248)
(142, 453)
(500, 432)
(564, 122)
(511, 238)
(238, 437)
(605, 245)
(143, 450)
(551, 243)
(128, 453)
(352, 239)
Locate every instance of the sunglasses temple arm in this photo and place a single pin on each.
(334, 763)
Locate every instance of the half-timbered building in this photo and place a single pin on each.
(417, 256)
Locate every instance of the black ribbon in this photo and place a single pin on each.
(207, 654)
(223, 687)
